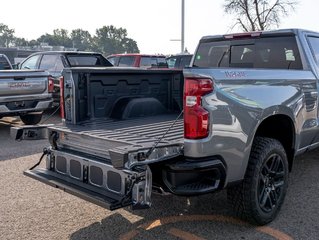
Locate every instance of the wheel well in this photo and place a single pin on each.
(280, 127)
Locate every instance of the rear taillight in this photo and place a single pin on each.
(196, 118)
(50, 84)
(62, 112)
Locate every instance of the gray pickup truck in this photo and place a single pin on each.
(235, 119)
(25, 93)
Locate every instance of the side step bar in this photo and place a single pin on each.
(102, 198)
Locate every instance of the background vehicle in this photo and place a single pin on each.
(138, 60)
(4, 62)
(25, 93)
(179, 61)
(55, 61)
(249, 105)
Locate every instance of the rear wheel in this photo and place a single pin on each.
(31, 119)
(259, 197)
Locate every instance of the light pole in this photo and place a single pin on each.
(183, 27)
(182, 39)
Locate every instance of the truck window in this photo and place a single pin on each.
(161, 62)
(127, 61)
(146, 62)
(314, 44)
(4, 64)
(171, 62)
(269, 53)
(31, 63)
(185, 61)
(114, 60)
(212, 55)
(51, 62)
(77, 60)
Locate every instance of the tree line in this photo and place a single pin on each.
(107, 40)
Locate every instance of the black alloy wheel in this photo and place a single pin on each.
(271, 183)
(259, 197)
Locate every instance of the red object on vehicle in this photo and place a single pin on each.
(62, 111)
(196, 118)
(50, 84)
(242, 35)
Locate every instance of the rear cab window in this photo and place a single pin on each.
(147, 61)
(276, 52)
(126, 61)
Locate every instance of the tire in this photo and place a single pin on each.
(259, 197)
(31, 119)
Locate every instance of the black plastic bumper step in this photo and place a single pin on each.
(104, 199)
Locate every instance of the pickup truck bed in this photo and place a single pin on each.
(100, 135)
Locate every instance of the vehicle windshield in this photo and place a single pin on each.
(77, 60)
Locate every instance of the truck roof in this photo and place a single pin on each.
(66, 52)
(293, 31)
(137, 54)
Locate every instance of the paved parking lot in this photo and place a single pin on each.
(31, 210)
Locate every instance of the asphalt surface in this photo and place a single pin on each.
(32, 210)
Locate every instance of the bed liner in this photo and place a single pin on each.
(99, 136)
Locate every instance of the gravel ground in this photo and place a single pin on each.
(32, 210)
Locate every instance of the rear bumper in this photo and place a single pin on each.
(15, 108)
(195, 176)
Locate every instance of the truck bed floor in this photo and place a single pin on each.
(100, 135)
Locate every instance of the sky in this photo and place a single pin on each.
(152, 24)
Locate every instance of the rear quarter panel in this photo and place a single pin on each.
(241, 100)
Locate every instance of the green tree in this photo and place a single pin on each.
(253, 15)
(130, 45)
(6, 35)
(110, 39)
(81, 39)
(60, 37)
(33, 43)
(20, 42)
(47, 38)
